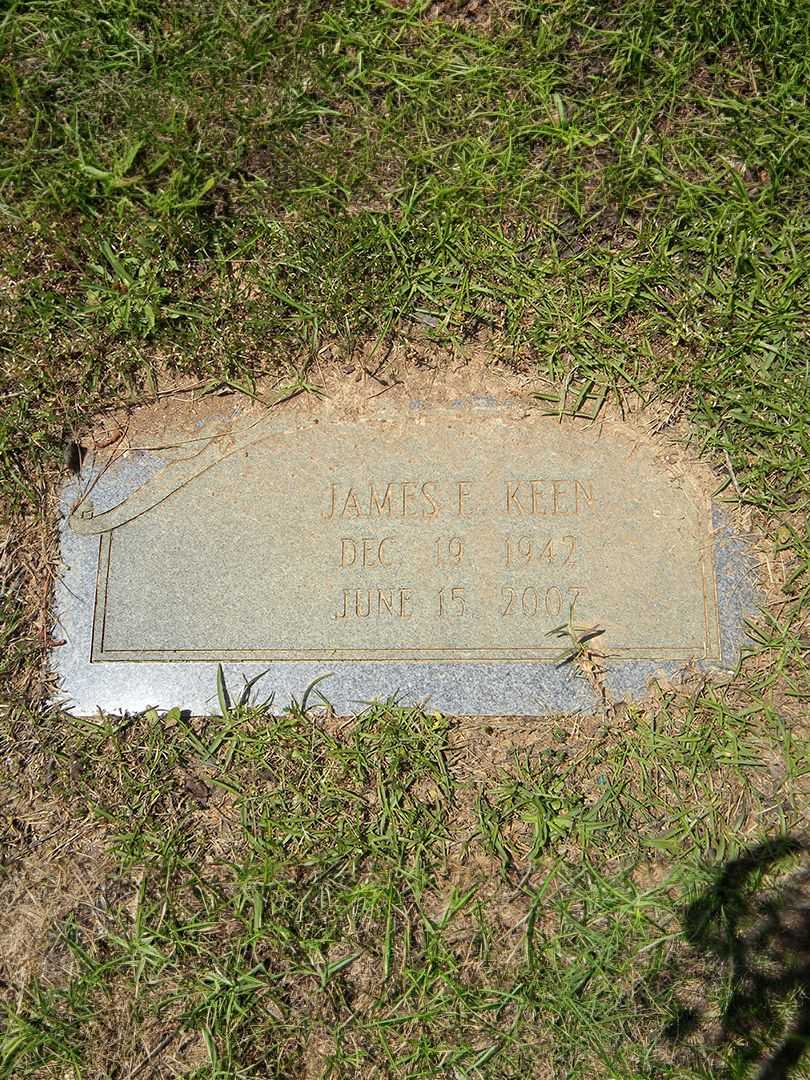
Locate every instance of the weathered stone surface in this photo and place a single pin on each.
(429, 552)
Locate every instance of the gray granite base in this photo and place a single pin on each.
(480, 688)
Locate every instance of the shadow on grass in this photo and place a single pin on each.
(758, 924)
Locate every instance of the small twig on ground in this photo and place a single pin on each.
(158, 1049)
(732, 474)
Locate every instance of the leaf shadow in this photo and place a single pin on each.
(760, 929)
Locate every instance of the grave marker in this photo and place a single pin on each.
(431, 552)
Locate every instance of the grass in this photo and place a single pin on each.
(294, 895)
(611, 199)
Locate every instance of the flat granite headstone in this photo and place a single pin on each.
(426, 553)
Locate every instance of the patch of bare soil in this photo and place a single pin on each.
(478, 14)
(480, 746)
(483, 15)
(28, 568)
(55, 873)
